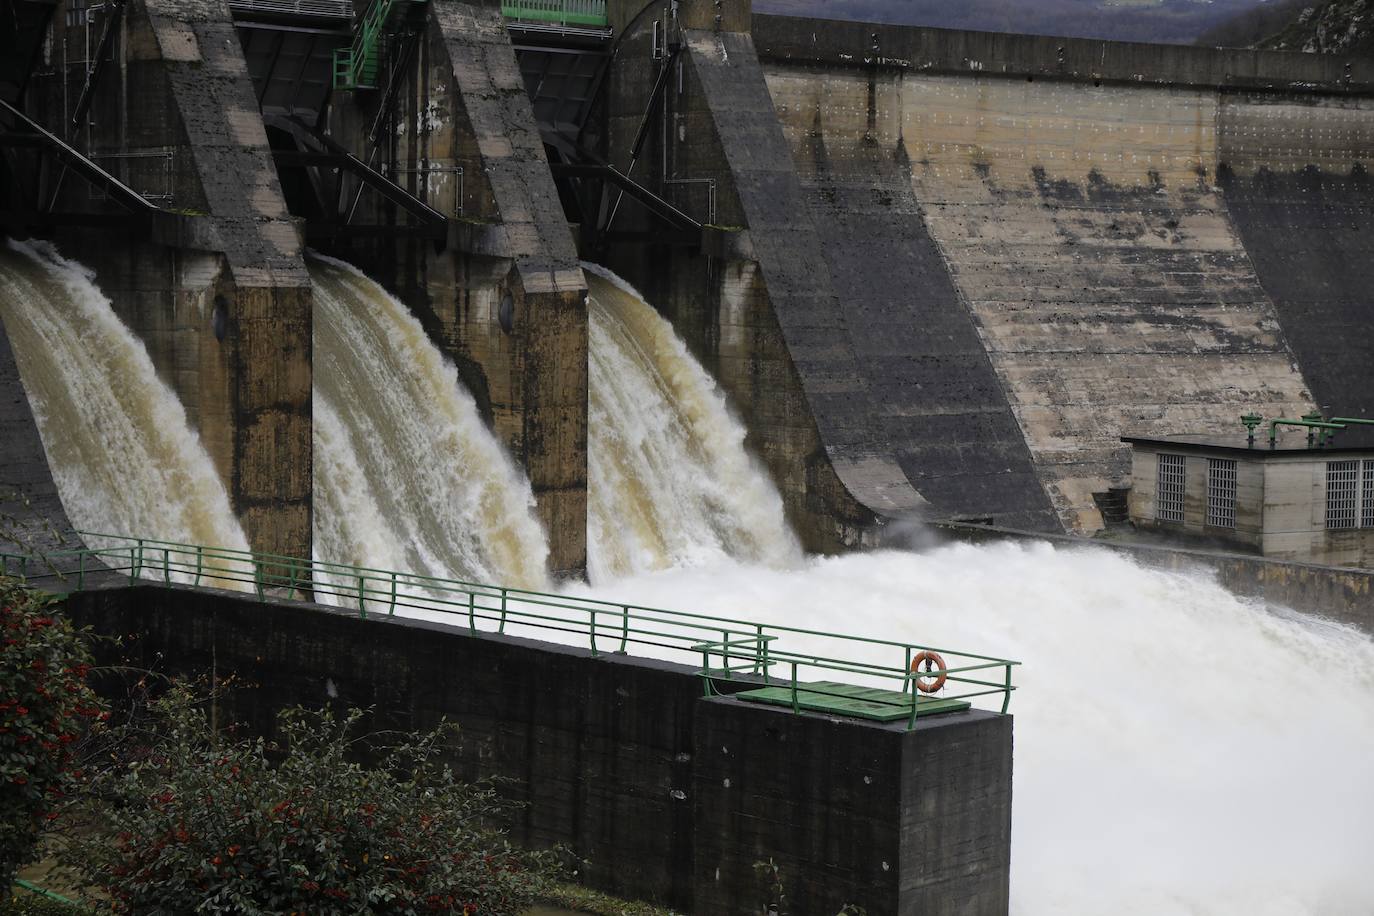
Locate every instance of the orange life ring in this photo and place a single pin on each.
(934, 665)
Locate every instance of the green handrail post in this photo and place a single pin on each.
(758, 646)
(915, 701)
(1006, 694)
(591, 627)
(291, 582)
(796, 706)
(706, 669)
(624, 626)
(81, 573)
(257, 578)
(166, 567)
(136, 566)
(362, 598)
(501, 628)
(766, 664)
(393, 593)
(725, 653)
(472, 613)
(200, 562)
(906, 682)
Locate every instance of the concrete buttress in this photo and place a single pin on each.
(223, 302)
(505, 298)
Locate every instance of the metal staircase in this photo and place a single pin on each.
(357, 66)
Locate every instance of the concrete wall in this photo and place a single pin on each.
(998, 253)
(1294, 168)
(938, 401)
(1079, 225)
(669, 797)
(464, 140)
(175, 117)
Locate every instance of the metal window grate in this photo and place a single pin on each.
(1367, 495)
(1169, 492)
(1221, 492)
(1342, 483)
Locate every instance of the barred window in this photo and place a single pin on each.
(1342, 484)
(1169, 489)
(1367, 495)
(77, 12)
(1221, 492)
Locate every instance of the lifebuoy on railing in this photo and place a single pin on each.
(935, 666)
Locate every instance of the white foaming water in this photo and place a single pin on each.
(123, 456)
(1178, 750)
(669, 480)
(407, 476)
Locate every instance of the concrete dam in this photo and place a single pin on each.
(347, 306)
(938, 274)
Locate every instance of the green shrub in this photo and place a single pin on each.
(199, 821)
(45, 708)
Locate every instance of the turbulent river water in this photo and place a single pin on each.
(1179, 751)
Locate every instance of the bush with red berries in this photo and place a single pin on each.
(199, 820)
(45, 710)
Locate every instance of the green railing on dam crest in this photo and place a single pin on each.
(739, 657)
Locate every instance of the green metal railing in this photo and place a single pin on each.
(559, 12)
(44, 892)
(730, 650)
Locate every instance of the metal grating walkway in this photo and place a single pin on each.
(849, 700)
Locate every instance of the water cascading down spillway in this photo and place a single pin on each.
(407, 476)
(669, 480)
(123, 456)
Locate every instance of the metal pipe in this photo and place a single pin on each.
(1310, 424)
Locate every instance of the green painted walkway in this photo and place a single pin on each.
(849, 700)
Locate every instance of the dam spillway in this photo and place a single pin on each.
(126, 461)
(406, 474)
(670, 482)
(935, 276)
(936, 281)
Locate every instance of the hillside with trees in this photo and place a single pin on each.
(1332, 27)
(1159, 21)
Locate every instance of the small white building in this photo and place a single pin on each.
(1313, 504)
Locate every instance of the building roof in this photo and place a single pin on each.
(1292, 440)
